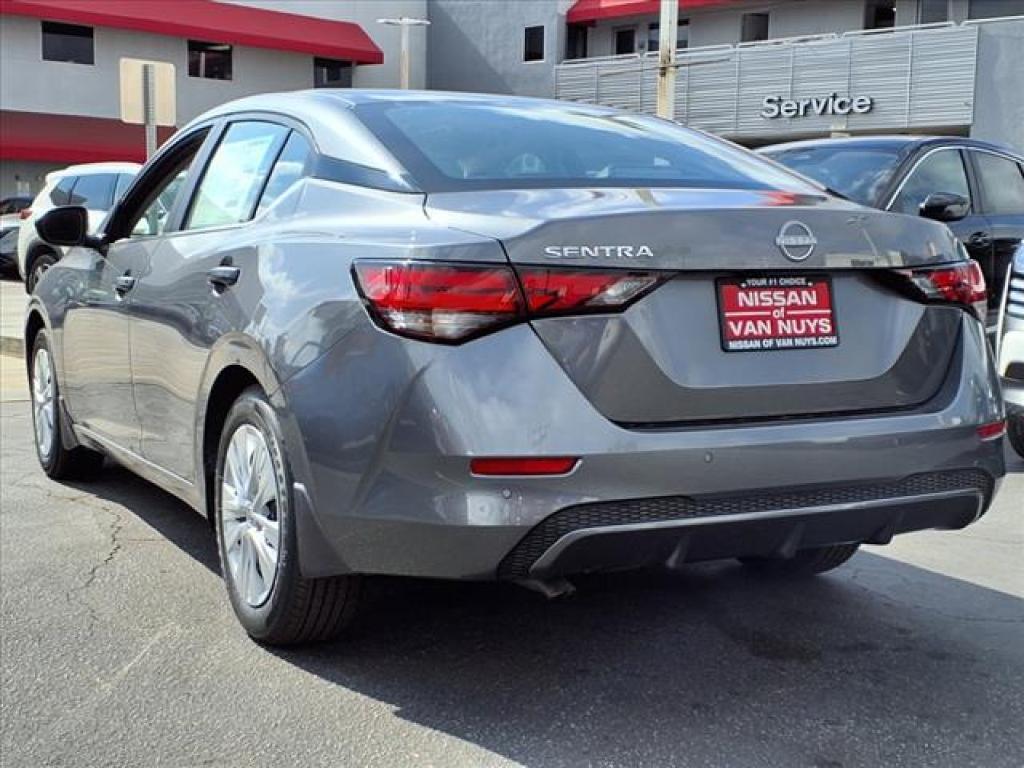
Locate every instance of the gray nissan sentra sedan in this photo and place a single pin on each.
(474, 337)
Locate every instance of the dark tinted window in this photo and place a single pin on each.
(683, 35)
(859, 173)
(67, 42)
(94, 191)
(533, 44)
(332, 73)
(289, 168)
(880, 14)
(941, 171)
(931, 11)
(14, 204)
(1002, 184)
(457, 145)
(625, 41)
(234, 178)
(576, 41)
(209, 60)
(754, 27)
(988, 9)
(61, 193)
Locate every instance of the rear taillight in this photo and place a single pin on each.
(454, 302)
(992, 431)
(524, 467)
(24, 213)
(962, 284)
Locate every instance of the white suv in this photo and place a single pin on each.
(1010, 350)
(94, 186)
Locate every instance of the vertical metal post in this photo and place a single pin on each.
(404, 62)
(668, 29)
(149, 107)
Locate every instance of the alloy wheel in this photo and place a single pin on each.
(44, 408)
(250, 528)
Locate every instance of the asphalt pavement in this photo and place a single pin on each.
(118, 648)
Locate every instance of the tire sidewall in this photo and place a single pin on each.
(47, 461)
(34, 275)
(252, 408)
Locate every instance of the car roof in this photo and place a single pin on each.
(902, 143)
(87, 169)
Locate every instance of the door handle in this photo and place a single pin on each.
(980, 239)
(123, 284)
(223, 276)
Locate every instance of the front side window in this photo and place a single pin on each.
(457, 145)
(533, 44)
(94, 191)
(1002, 184)
(154, 214)
(941, 171)
(754, 27)
(332, 73)
(235, 176)
(625, 41)
(67, 42)
(209, 60)
(289, 167)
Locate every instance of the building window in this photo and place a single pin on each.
(683, 35)
(932, 11)
(625, 40)
(990, 9)
(653, 36)
(576, 42)
(209, 60)
(880, 14)
(67, 42)
(533, 44)
(755, 27)
(332, 73)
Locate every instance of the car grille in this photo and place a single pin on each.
(517, 563)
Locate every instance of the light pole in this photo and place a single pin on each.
(404, 23)
(667, 31)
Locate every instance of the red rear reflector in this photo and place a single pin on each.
(24, 213)
(962, 284)
(562, 465)
(992, 431)
(551, 291)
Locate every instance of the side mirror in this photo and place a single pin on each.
(67, 225)
(945, 206)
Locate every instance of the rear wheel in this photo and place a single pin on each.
(257, 538)
(40, 265)
(57, 460)
(806, 562)
(1015, 432)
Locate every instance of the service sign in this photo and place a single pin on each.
(776, 312)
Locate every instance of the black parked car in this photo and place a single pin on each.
(975, 187)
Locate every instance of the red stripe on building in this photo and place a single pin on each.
(596, 10)
(70, 139)
(211, 22)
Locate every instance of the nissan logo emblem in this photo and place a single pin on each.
(796, 241)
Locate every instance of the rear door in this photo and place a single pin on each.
(1001, 182)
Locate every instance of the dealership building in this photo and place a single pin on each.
(755, 71)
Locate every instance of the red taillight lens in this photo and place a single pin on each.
(561, 465)
(442, 302)
(992, 431)
(454, 302)
(24, 213)
(552, 291)
(962, 284)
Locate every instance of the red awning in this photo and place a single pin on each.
(595, 10)
(212, 22)
(71, 139)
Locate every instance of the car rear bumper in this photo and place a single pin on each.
(387, 488)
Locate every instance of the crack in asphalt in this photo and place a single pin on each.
(115, 545)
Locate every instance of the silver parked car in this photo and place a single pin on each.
(476, 337)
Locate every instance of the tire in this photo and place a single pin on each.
(58, 461)
(806, 562)
(1015, 432)
(40, 264)
(282, 608)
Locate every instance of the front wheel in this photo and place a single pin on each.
(1015, 432)
(806, 562)
(257, 538)
(39, 268)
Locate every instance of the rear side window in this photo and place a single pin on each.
(94, 191)
(123, 182)
(290, 167)
(236, 174)
(465, 145)
(1002, 183)
(941, 171)
(61, 192)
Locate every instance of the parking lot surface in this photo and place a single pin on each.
(119, 649)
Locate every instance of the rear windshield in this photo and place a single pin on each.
(859, 173)
(455, 146)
